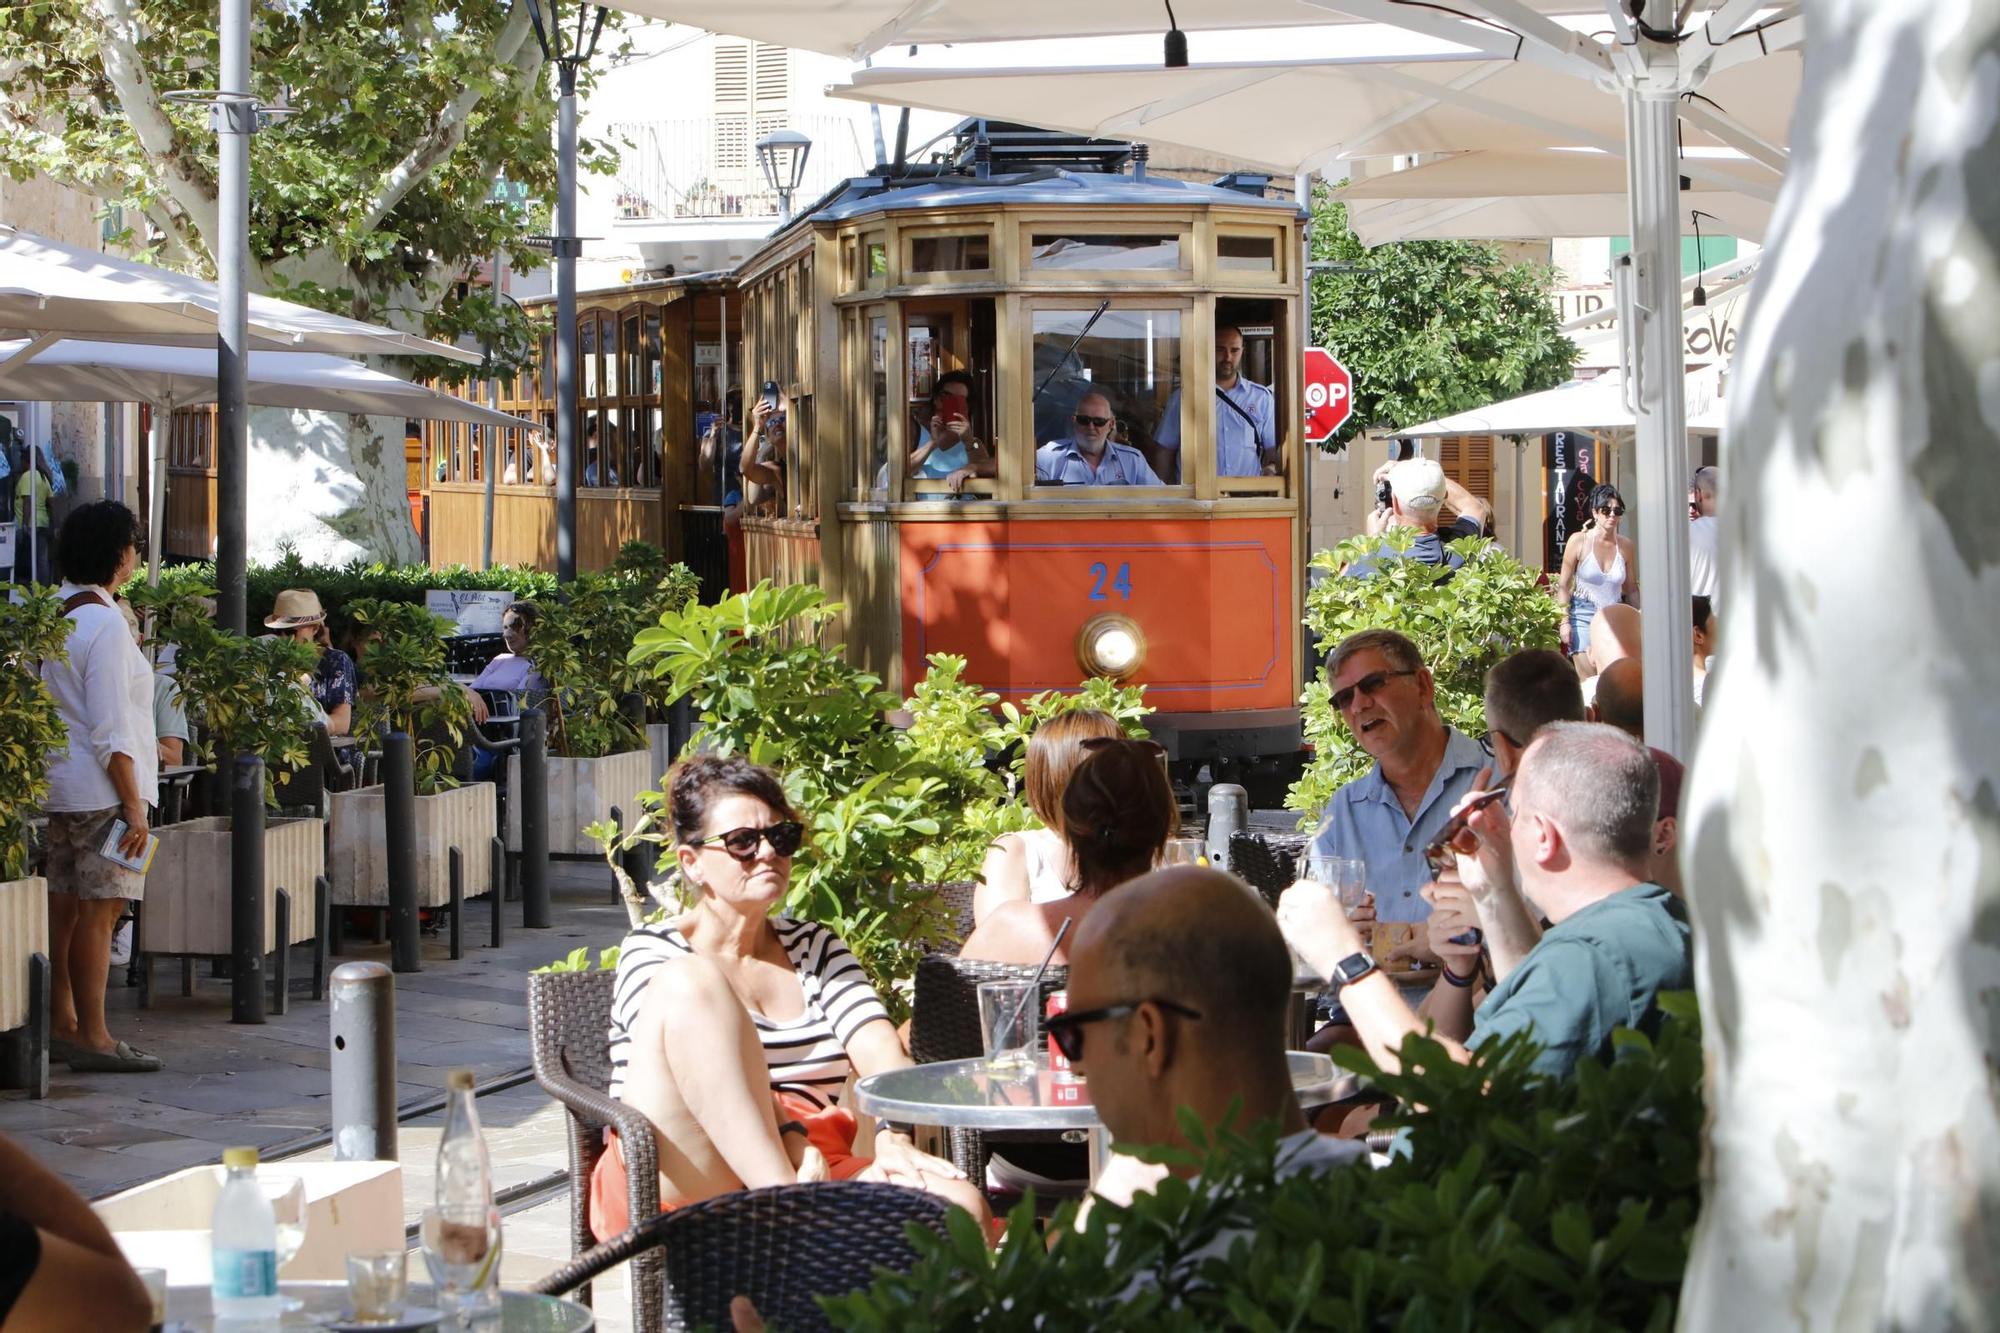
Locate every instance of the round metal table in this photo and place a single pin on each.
(188, 1310)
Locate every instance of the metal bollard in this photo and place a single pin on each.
(496, 888)
(534, 820)
(399, 823)
(364, 1063)
(1228, 815)
(680, 726)
(455, 865)
(246, 889)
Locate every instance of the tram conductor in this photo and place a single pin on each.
(1090, 457)
(1246, 418)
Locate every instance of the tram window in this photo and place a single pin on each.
(872, 429)
(1246, 254)
(586, 356)
(1106, 378)
(878, 263)
(612, 377)
(950, 254)
(649, 373)
(1104, 251)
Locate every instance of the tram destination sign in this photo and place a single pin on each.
(1329, 395)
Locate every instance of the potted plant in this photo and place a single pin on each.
(408, 688)
(245, 697)
(598, 756)
(32, 631)
(657, 587)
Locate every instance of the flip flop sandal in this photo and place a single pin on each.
(120, 1059)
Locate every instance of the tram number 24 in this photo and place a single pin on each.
(1122, 583)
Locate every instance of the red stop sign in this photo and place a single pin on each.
(1329, 395)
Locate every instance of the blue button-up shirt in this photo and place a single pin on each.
(1364, 819)
(1237, 445)
(1122, 465)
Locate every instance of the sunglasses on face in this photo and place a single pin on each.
(741, 843)
(1066, 1030)
(1084, 420)
(1616, 511)
(1370, 685)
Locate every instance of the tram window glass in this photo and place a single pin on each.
(630, 347)
(1103, 363)
(1246, 254)
(950, 254)
(609, 332)
(868, 356)
(586, 356)
(649, 361)
(876, 257)
(1100, 250)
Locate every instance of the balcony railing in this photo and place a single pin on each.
(706, 166)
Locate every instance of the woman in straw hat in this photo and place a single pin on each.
(297, 612)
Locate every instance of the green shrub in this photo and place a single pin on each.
(337, 585)
(1462, 626)
(32, 631)
(405, 660)
(1523, 1202)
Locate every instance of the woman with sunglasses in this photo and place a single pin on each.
(1036, 865)
(735, 1030)
(1600, 568)
(1117, 813)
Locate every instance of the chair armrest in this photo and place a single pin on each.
(635, 1136)
(600, 1258)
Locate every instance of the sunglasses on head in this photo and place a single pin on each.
(1616, 511)
(1084, 419)
(741, 843)
(1369, 685)
(1066, 1030)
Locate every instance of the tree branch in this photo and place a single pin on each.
(447, 132)
(141, 104)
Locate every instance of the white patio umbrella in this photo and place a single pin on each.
(78, 371)
(1535, 195)
(1597, 404)
(50, 290)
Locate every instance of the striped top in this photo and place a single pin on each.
(806, 1055)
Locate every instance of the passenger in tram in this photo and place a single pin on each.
(1090, 457)
(1246, 418)
(764, 458)
(947, 449)
(598, 471)
(720, 432)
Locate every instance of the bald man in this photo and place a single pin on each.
(1620, 697)
(1614, 636)
(1179, 984)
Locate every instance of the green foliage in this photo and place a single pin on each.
(580, 648)
(409, 687)
(1491, 608)
(1523, 1202)
(578, 960)
(32, 631)
(337, 585)
(246, 695)
(1430, 327)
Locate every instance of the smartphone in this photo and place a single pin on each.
(1441, 845)
(771, 392)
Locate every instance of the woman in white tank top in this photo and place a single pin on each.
(1600, 568)
(1036, 865)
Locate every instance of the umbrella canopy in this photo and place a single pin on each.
(1587, 405)
(48, 288)
(1535, 195)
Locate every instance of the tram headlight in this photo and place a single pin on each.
(1111, 646)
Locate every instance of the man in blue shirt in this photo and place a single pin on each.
(1418, 492)
(1246, 418)
(1089, 457)
(1388, 816)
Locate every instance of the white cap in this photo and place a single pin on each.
(1418, 483)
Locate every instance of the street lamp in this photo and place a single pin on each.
(782, 154)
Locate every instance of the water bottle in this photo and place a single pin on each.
(465, 1255)
(244, 1234)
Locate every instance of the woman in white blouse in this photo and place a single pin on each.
(108, 770)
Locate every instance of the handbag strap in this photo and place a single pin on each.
(1235, 407)
(80, 600)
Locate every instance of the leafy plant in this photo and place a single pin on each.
(1517, 1201)
(1462, 626)
(32, 631)
(337, 585)
(578, 960)
(409, 687)
(579, 646)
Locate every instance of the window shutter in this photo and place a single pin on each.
(1468, 460)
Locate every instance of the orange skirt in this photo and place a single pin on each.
(830, 1129)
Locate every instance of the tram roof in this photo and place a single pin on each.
(862, 196)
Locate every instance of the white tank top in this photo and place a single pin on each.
(1048, 865)
(1596, 585)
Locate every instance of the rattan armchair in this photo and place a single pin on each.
(781, 1247)
(1257, 864)
(569, 1026)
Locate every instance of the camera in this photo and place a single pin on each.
(1400, 449)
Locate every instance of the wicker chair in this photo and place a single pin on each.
(944, 1025)
(569, 1024)
(780, 1246)
(1263, 869)
(956, 896)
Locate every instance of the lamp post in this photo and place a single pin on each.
(782, 154)
(567, 50)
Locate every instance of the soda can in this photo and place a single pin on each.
(1058, 1062)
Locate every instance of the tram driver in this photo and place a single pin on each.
(1246, 418)
(1090, 457)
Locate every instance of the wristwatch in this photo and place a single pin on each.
(1351, 969)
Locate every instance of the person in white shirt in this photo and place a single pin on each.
(1246, 418)
(109, 769)
(1704, 499)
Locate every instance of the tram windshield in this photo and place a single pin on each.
(1105, 380)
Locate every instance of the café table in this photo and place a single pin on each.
(1308, 986)
(967, 1094)
(189, 1311)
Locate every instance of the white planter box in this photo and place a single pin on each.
(657, 734)
(24, 932)
(581, 792)
(350, 1207)
(187, 893)
(358, 863)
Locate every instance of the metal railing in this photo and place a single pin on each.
(706, 166)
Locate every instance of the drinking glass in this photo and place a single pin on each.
(376, 1282)
(1007, 1022)
(462, 1249)
(1183, 852)
(288, 1209)
(1347, 876)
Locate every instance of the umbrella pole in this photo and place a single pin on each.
(234, 116)
(566, 246)
(1653, 181)
(156, 491)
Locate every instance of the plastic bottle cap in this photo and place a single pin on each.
(459, 1080)
(239, 1157)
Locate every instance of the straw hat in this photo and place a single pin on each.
(295, 607)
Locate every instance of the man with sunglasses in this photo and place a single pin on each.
(1090, 457)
